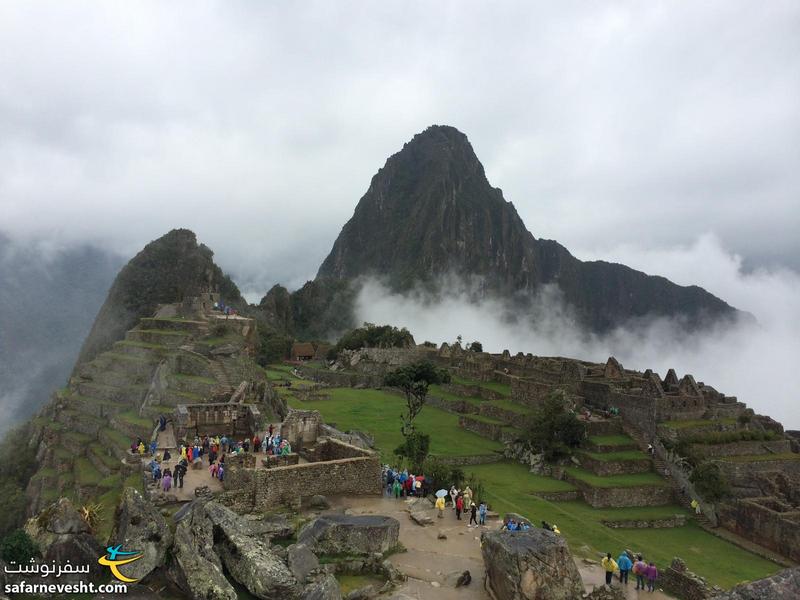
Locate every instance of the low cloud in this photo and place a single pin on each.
(754, 361)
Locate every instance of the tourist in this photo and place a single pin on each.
(162, 423)
(270, 430)
(639, 569)
(467, 496)
(459, 506)
(221, 471)
(167, 455)
(624, 563)
(141, 448)
(555, 529)
(609, 566)
(166, 480)
(453, 494)
(696, 506)
(396, 487)
(650, 449)
(473, 514)
(440, 506)
(189, 454)
(153, 447)
(212, 468)
(524, 526)
(180, 472)
(652, 574)
(256, 443)
(389, 482)
(546, 525)
(482, 513)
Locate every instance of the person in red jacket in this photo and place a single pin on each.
(459, 506)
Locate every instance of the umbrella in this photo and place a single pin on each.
(441, 493)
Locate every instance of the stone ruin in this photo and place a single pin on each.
(239, 421)
(318, 465)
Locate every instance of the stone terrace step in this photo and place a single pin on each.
(611, 443)
(196, 327)
(615, 463)
(161, 337)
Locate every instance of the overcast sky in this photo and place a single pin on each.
(259, 124)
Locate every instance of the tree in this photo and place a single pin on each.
(375, 336)
(414, 448)
(18, 547)
(414, 380)
(476, 346)
(709, 481)
(553, 429)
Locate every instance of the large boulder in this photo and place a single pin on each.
(326, 588)
(350, 534)
(781, 586)
(529, 565)
(301, 561)
(62, 535)
(140, 526)
(195, 567)
(248, 558)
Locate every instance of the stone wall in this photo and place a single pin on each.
(625, 496)
(263, 489)
(741, 448)
(238, 420)
(765, 522)
(301, 427)
(453, 406)
(473, 391)
(614, 467)
(664, 523)
(745, 471)
(529, 392)
(682, 583)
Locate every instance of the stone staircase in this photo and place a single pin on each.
(665, 470)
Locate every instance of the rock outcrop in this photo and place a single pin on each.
(196, 568)
(326, 588)
(781, 586)
(350, 534)
(139, 525)
(248, 557)
(65, 537)
(529, 565)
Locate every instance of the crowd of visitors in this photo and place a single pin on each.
(216, 448)
(646, 573)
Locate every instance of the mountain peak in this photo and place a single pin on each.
(430, 213)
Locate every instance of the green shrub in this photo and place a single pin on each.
(442, 475)
(375, 336)
(553, 429)
(710, 482)
(18, 547)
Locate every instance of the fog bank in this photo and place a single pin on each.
(753, 361)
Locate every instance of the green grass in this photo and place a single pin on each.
(379, 413)
(615, 456)
(748, 458)
(100, 453)
(75, 439)
(439, 391)
(696, 423)
(162, 332)
(485, 419)
(611, 440)
(85, 472)
(133, 418)
(118, 438)
(350, 583)
(508, 489)
(613, 481)
(146, 345)
(523, 411)
(197, 378)
(495, 386)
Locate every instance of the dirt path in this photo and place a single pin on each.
(432, 565)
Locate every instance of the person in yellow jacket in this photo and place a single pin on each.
(609, 566)
(440, 506)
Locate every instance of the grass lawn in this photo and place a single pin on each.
(495, 386)
(611, 440)
(508, 488)
(379, 413)
(609, 481)
(614, 456)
